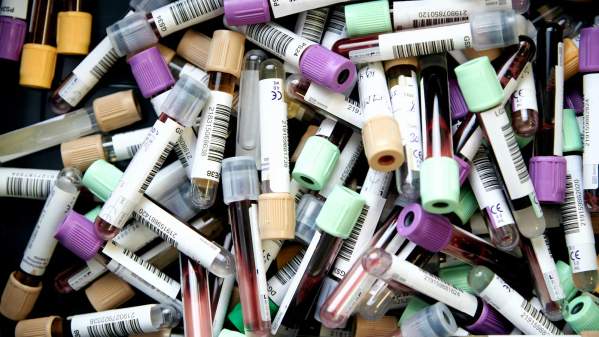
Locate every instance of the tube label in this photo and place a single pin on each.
(270, 250)
(194, 72)
(14, 8)
(374, 93)
(185, 148)
(126, 144)
(590, 157)
(406, 110)
(336, 104)
(280, 41)
(525, 96)
(87, 274)
(345, 164)
(288, 7)
(26, 183)
(185, 13)
(114, 323)
(260, 271)
(335, 29)
(279, 283)
(310, 24)
(547, 266)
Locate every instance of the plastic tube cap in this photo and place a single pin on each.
(440, 185)
(18, 299)
(340, 212)
(12, 37)
(472, 53)
(307, 211)
(430, 231)
(240, 179)
(73, 32)
(375, 328)
(92, 214)
(116, 110)
(109, 292)
(186, 100)
(459, 108)
(564, 272)
(82, 152)
(226, 52)
(326, 68)
(315, 163)
(573, 100)
(415, 304)
(582, 313)
(572, 137)
(548, 175)
(479, 84)
(490, 321)
(457, 276)
(145, 6)
(496, 29)
(433, 321)
(166, 53)
(77, 234)
(246, 12)
(151, 72)
(570, 59)
(467, 205)
(130, 34)
(236, 315)
(101, 178)
(230, 333)
(276, 216)
(382, 143)
(588, 53)
(194, 47)
(464, 169)
(36, 327)
(368, 18)
(38, 63)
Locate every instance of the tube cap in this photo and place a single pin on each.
(38, 63)
(166, 53)
(491, 322)
(101, 178)
(93, 213)
(548, 175)
(573, 100)
(151, 72)
(457, 276)
(433, 321)
(194, 47)
(77, 234)
(368, 18)
(382, 143)
(186, 100)
(116, 110)
(326, 68)
(430, 231)
(131, 34)
(109, 292)
(459, 108)
(496, 29)
(276, 213)
(240, 179)
(340, 212)
(565, 279)
(479, 84)
(307, 211)
(412, 61)
(572, 139)
(570, 59)
(246, 12)
(464, 169)
(375, 328)
(310, 131)
(588, 53)
(226, 52)
(316, 163)
(36, 327)
(415, 304)
(467, 205)
(439, 185)
(12, 37)
(236, 315)
(145, 6)
(82, 152)
(73, 32)
(18, 299)
(582, 313)
(491, 53)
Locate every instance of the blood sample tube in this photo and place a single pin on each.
(440, 183)
(24, 285)
(224, 67)
(483, 94)
(73, 28)
(433, 321)
(195, 292)
(13, 28)
(582, 313)
(525, 116)
(243, 12)
(368, 18)
(510, 73)
(26, 183)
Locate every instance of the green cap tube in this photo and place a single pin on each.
(457, 276)
(315, 163)
(572, 139)
(439, 185)
(415, 304)
(564, 272)
(582, 313)
(340, 212)
(368, 18)
(93, 214)
(467, 205)
(236, 315)
(101, 178)
(479, 84)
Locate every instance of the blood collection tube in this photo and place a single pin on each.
(197, 314)
(243, 12)
(433, 321)
(509, 303)
(380, 132)
(483, 94)
(38, 61)
(440, 181)
(467, 139)
(335, 222)
(13, 28)
(24, 285)
(105, 114)
(367, 18)
(582, 313)
(311, 23)
(484, 30)
(335, 28)
(224, 67)
(26, 183)
(130, 321)
(315, 62)
(510, 73)
(73, 27)
(179, 111)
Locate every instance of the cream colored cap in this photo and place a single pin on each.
(167, 53)
(18, 299)
(412, 61)
(382, 143)
(82, 152)
(37, 327)
(276, 216)
(159, 333)
(73, 32)
(310, 131)
(570, 59)
(380, 327)
(226, 52)
(108, 292)
(194, 47)
(116, 110)
(492, 53)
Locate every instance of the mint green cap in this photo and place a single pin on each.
(439, 185)
(467, 205)
(236, 315)
(582, 313)
(339, 213)
(230, 333)
(564, 272)
(572, 140)
(91, 215)
(479, 84)
(315, 163)
(101, 178)
(457, 276)
(368, 18)
(415, 304)
(523, 141)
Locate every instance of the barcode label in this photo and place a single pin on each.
(151, 225)
(539, 319)
(104, 64)
(485, 171)
(310, 24)
(423, 48)
(156, 167)
(347, 248)
(337, 21)
(570, 216)
(185, 13)
(515, 153)
(114, 323)
(126, 144)
(26, 183)
(542, 253)
(437, 21)
(185, 148)
(132, 150)
(286, 273)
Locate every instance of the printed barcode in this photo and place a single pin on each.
(569, 210)
(314, 24)
(220, 130)
(349, 244)
(116, 329)
(131, 150)
(298, 196)
(540, 318)
(423, 48)
(105, 63)
(337, 21)
(155, 229)
(485, 171)
(185, 10)
(286, 273)
(148, 266)
(437, 21)
(266, 35)
(28, 187)
(547, 245)
(181, 155)
(515, 153)
(156, 167)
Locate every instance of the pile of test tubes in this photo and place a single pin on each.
(306, 168)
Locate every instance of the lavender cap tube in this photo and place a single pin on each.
(151, 72)
(324, 67)
(588, 53)
(12, 37)
(430, 231)
(490, 322)
(548, 174)
(246, 12)
(459, 109)
(464, 168)
(77, 234)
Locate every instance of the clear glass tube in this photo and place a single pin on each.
(42, 23)
(197, 314)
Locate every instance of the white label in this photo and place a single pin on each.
(517, 309)
(548, 268)
(114, 323)
(336, 104)
(185, 148)
(259, 264)
(87, 274)
(345, 164)
(185, 13)
(310, 24)
(406, 110)
(374, 93)
(287, 7)
(134, 236)
(279, 283)
(26, 183)
(326, 127)
(274, 143)
(270, 250)
(126, 144)
(212, 136)
(194, 72)
(335, 28)
(14, 8)
(280, 41)
(417, 42)
(525, 96)
(590, 157)
(158, 101)
(42, 243)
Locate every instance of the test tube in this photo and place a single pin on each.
(197, 314)
(582, 312)
(26, 183)
(105, 114)
(510, 73)
(240, 12)
(13, 28)
(24, 285)
(224, 67)
(73, 28)
(525, 115)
